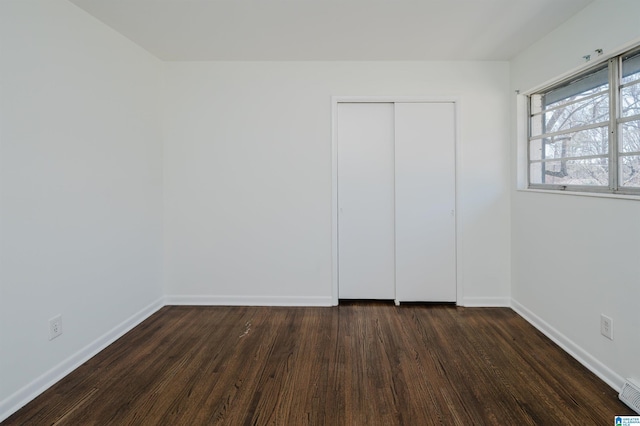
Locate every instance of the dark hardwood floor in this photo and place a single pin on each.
(356, 364)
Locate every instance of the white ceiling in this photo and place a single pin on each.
(197, 30)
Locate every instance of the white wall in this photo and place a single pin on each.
(80, 190)
(248, 174)
(577, 257)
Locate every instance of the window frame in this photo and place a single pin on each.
(614, 124)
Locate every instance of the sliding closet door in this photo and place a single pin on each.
(425, 202)
(366, 264)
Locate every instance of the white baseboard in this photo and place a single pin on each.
(596, 367)
(14, 402)
(486, 302)
(198, 300)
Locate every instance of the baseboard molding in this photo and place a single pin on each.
(486, 302)
(596, 367)
(20, 398)
(198, 300)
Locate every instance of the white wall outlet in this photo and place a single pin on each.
(606, 326)
(55, 327)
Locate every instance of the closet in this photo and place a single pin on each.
(396, 201)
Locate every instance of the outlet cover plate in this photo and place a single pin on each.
(606, 326)
(55, 327)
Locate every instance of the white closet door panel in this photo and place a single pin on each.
(366, 264)
(425, 202)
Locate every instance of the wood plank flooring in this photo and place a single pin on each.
(356, 364)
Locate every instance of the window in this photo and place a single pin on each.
(584, 133)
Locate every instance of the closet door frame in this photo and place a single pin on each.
(335, 100)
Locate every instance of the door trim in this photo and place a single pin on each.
(335, 100)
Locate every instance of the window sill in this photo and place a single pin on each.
(582, 194)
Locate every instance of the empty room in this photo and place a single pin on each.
(319, 212)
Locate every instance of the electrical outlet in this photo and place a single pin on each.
(606, 326)
(55, 327)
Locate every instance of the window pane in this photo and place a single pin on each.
(535, 173)
(630, 100)
(630, 136)
(535, 125)
(535, 150)
(631, 67)
(585, 85)
(536, 104)
(577, 144)
(591, 171)
(630, 171)
(582, 113)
